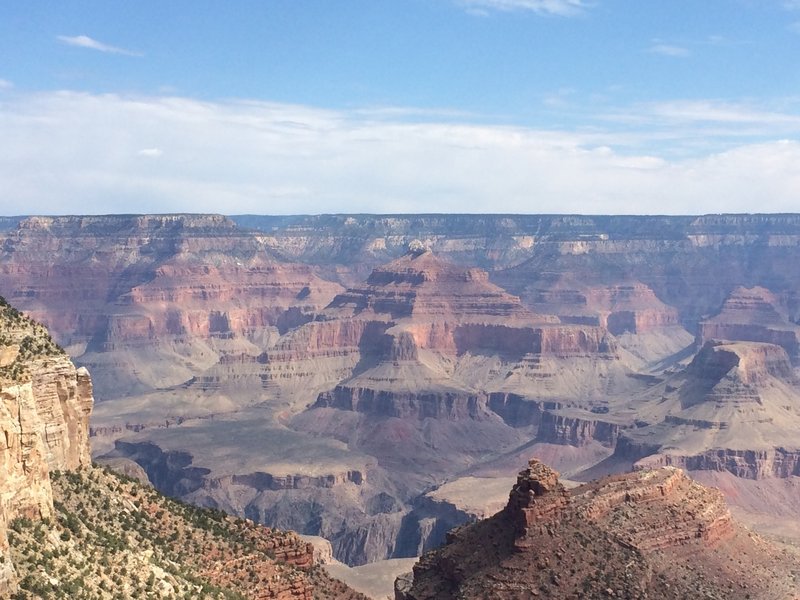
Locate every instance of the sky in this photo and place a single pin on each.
(398, 106)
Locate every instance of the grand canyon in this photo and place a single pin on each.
(372, 382)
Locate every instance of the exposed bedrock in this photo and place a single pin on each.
(170, 472)
(511, 339)
(329, 338)
(652, 533)
(632, 307)
(755, 315)
(749, 364)
(403, 404)
(356, 509)
(45, 403)
(519, 411)
(627, 306)
(422, 286)
(425, 527)
(747, 464)
(361, 521)
(573, 430)
(170, 286)
(735, 408)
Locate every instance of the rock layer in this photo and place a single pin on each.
(124, 293)
(653, 533)
(735, 408)
(45, 404)
(754, 315)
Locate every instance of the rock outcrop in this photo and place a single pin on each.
(578, 428)
(753, 315)
(45, 404)
(649, 534)
(735, 408)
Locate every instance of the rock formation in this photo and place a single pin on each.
(648, 534)
(46, 479)
(734, 408)
(44, 419)
(125, 293)
(753, 315)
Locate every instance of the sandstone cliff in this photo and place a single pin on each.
(44, 419)
(649, 534)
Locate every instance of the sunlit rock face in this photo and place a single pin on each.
(45, 403)
(657, 533)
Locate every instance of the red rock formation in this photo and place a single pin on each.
(627, 306)
(754, 315)
(157, 283)
(422, 286)
(649, 534)
(536, 500)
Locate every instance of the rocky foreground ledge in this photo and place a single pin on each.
(648, 534)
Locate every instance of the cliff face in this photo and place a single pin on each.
(735, 408)
(650, 534)
(754, 315)
(45, 404)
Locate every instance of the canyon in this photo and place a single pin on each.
(71, 529)
(354, 376)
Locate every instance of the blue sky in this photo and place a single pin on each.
(308, 106)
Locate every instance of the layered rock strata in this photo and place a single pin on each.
(753, 315)
(653, 533)
(45, 404)
(735, 408)
(125, 293)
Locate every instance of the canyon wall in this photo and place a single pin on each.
(45, 403)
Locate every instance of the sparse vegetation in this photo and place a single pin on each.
(112, 537)
(30, 339)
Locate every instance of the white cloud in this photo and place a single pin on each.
(669, 50)
(84, 41)
(70, 152)
(5, 84)
(564, 8)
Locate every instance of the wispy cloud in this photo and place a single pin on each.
(247, 156)
(723, 112)
(5, 84)
(670, 50)
(84, 41)
(563, 8)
